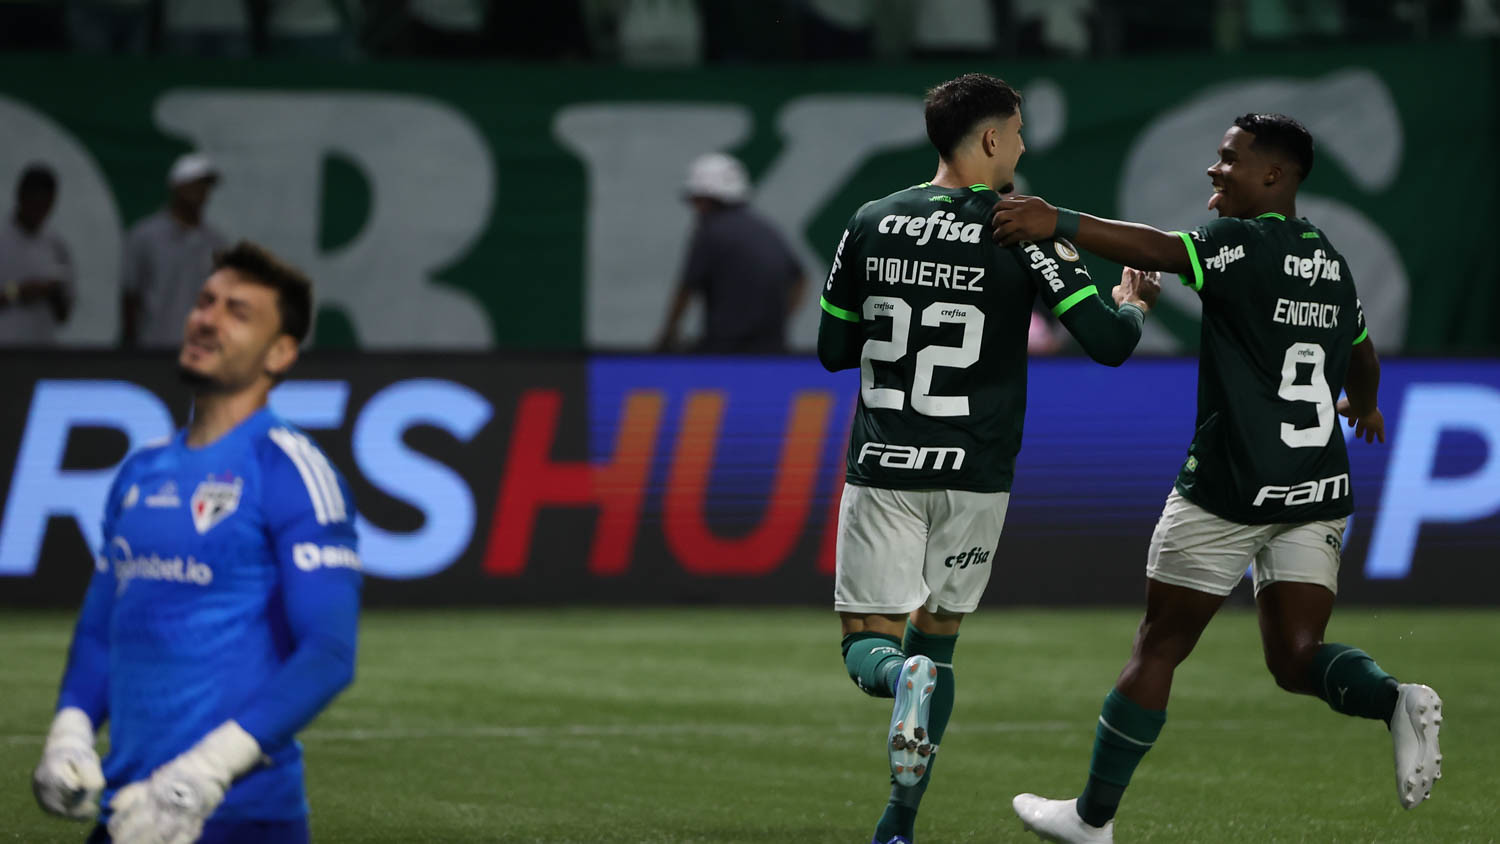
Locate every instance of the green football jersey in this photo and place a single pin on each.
(1280, 320)
(945, 315)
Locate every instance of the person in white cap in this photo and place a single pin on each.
(744, 269)
(167, 256)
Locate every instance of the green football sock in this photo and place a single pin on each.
(900, 816)
(874, 662)
(1126, 730)
(1352, 684)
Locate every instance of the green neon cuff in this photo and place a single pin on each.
(1197, 282)
(1361, 337)
(1067, 223)
(1078, 296)
(848, 316)
(1273, 215)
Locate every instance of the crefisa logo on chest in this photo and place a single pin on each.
(214, 500)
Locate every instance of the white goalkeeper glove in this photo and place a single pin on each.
(68, 780)
(171, 806)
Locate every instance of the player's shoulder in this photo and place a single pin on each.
(148, 457)
(291, 464)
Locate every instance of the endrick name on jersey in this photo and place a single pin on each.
(924, 274)
(1298, 312)
(1309, 492)
(911, 457)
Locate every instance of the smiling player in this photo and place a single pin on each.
(1266, 479)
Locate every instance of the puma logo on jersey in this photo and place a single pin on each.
(1224, 258)
(1312, 269)
(1043, 264)
(1311, 492)
(942, 225)
(911, 457)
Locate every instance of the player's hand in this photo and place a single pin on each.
(1369, 427)
(1019, 217)
(171, 806)
(68, 780)
(1138, 287)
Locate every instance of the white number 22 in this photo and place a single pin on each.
(928, 358)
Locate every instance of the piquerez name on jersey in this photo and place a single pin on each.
(944, 313)
(1280, 318)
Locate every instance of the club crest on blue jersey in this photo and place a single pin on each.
(214, 500)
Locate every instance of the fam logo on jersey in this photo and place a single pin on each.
(911, 457)
(1043, 264)
(941, 225)
(214, 500)
(166, 497)
(1312, 269)
(1224, 258)
(971, 557)
(1065, 250)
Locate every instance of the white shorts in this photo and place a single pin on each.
(1192, 547)
(903, 549)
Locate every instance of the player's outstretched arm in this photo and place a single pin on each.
(1361, 387)
(1018, 218)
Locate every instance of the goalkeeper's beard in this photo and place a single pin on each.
(198, 383)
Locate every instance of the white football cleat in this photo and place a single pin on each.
(1414, 733)
(908, 742)
(1057, 820)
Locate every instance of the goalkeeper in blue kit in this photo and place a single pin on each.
(222, 614)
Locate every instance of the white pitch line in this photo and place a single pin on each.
(756, 731)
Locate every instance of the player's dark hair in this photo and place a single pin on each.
(955, 107)
(1281, 135)
(36, 177)
(294, 297)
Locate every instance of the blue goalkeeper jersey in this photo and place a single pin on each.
(227, 588)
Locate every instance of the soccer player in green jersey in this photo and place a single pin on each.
(936, 319)
(1266, 479)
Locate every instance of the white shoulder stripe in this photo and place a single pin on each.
(323, 474)
(289, 444)
(337, 512)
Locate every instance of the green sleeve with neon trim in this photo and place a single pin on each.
(840, 335)
(1220, 253)
(1106, 334)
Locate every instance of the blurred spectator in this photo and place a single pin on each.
(208, 28)
(111, 26)
(656, 33)
(36, 277)
(738, 262)
(1057, 27)
(167, 256)
(438, 29)
(952, 28)
(323, 28)
(32, 25)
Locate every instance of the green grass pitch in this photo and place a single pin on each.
(718, 725)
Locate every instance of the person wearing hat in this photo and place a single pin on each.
(36, 275)
(744, 269)
(167, 256)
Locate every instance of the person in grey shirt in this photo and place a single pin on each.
(167, 256)
(738, 262)
(36, 275)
